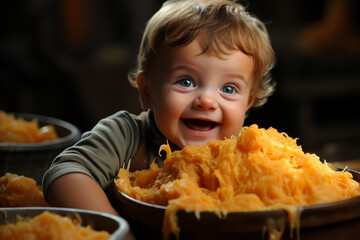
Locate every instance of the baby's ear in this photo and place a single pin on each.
(144, 91)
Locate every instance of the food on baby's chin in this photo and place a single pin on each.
(262, 169)
(18, 130)
(50, 226)
(20, 191)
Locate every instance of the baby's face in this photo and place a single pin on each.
(198, 97)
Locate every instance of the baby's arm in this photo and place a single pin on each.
(99, 154)
(78, 190)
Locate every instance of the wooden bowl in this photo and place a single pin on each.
(116, 226)
(32, 160)
(337, 220)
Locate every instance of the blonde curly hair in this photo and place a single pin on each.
(222, 24)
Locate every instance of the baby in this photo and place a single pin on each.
(201, 66)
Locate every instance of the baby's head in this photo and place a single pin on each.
(202, 65)
(222, 25)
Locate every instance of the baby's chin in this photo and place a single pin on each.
(186, 142)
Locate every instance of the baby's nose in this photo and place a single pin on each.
(206, 101)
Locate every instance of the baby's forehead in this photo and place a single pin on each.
(192, 57)
(209, 46)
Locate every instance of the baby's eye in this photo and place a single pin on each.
(228, 89)
(185, 82)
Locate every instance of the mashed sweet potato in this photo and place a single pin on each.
(262, 169)
(20, 191)
(50, 226)
(18, 130)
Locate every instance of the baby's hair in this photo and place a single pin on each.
(221, 25)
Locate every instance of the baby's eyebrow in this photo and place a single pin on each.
(239, 76)
(182, 66)
(236, 75)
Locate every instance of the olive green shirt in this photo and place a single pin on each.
(110, 145)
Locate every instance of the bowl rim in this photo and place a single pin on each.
(303, 208)
(74, 135)
(119, 233)
(310, 216)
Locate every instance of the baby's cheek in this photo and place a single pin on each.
(232, 128)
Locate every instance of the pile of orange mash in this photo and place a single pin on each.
(20, 191)
(18, 130)
(261, 169)
(50, 226)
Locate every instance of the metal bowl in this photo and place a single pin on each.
(99, 221)
(32, 160)
(337, 220)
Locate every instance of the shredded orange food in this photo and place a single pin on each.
(50, 226)
(20, 191)
(262, 169)
(18, 130)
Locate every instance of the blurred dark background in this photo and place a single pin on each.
(69, 59)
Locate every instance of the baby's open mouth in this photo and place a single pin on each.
(199, 125)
